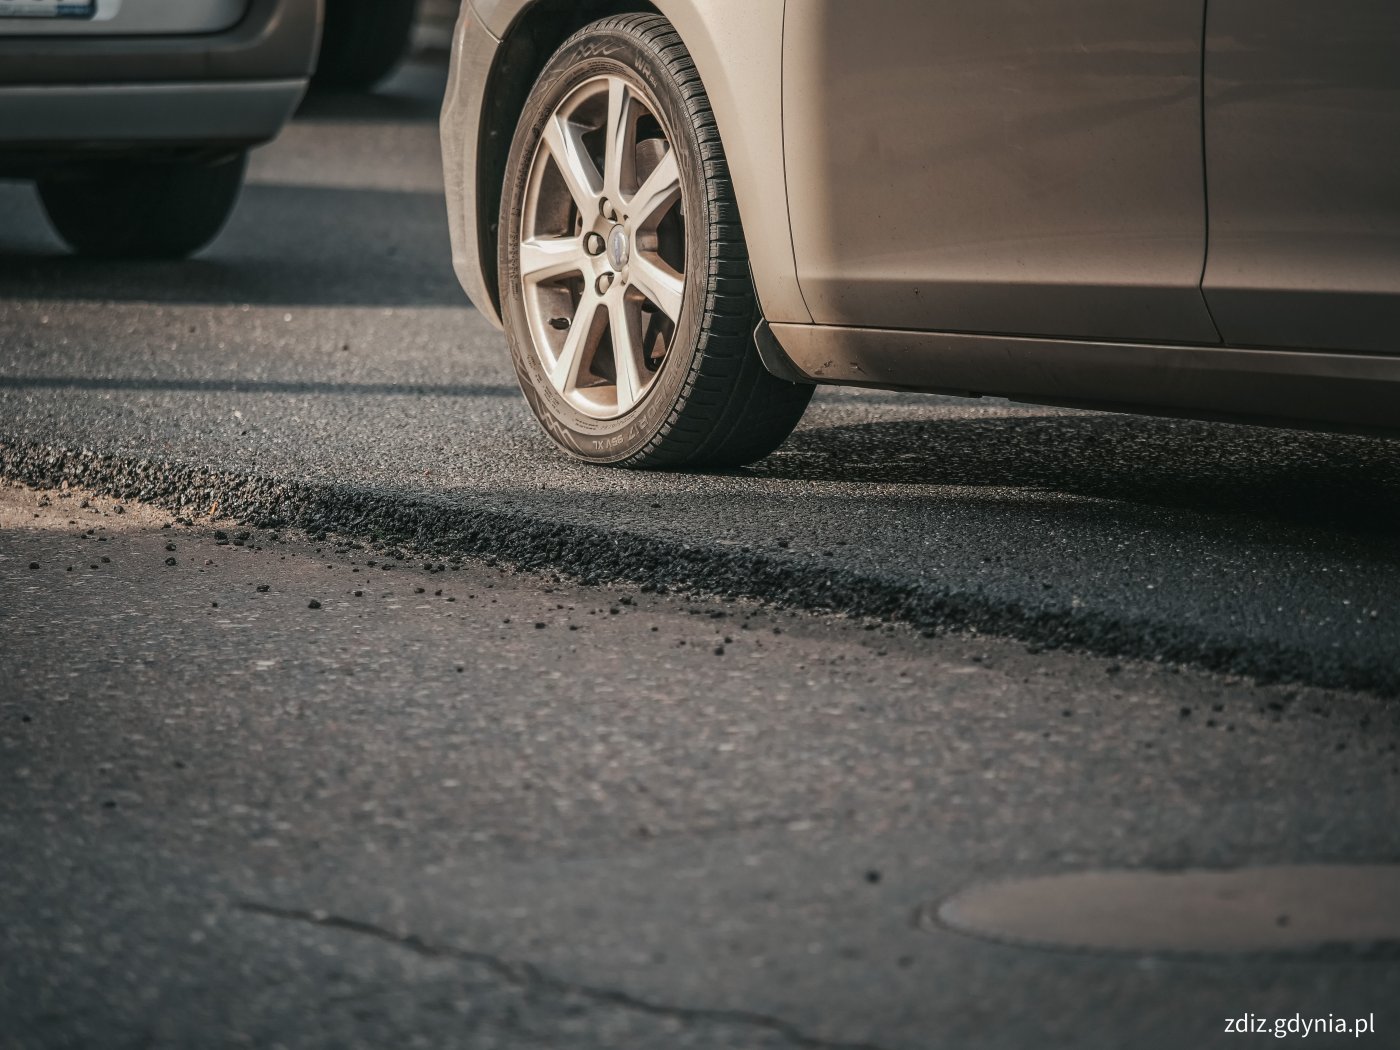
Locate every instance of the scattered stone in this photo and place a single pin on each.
(169, 561)
(313, 604)
(33, 564)
(170, 546)
(263, 588)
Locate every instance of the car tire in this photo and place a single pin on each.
(362, 41)
(688, 386)
(143, 210)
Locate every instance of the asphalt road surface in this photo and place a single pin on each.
(671, 760)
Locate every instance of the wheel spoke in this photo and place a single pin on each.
(564, 374)
(661, 189)
(625, 327)
(618, 266)
(545, 258)
(565, 142)
(659, 283)
(620, 153)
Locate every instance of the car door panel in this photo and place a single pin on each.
(1302, 105)
(1010, 166)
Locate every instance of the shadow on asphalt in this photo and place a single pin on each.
(258, 386)
(1343, 483)
(335, 107)
(285, 246)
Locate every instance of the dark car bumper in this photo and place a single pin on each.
(70, 94)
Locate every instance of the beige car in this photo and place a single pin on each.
(686, 215)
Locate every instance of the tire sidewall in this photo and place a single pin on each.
(602, 52)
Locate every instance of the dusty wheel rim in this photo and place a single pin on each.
(602, 246)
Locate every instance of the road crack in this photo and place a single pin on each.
(531, 979)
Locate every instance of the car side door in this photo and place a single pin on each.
(1302, 122)
(1013, 166)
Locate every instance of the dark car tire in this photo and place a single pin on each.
(711, 403)
(362, 41)
(143, 210)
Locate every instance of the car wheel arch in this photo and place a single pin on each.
(526, 47)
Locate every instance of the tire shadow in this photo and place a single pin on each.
(284, 245)
(1338, 482)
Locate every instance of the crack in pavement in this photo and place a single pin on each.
(531, 978)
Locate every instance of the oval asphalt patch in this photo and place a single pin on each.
(1282, 909)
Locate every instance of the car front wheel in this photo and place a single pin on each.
(624, 277)
(143, 209)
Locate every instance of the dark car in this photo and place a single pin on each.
(135, 117)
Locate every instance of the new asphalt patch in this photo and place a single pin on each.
(428, 525)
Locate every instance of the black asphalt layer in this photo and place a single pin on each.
(295, 793)
(320, 366)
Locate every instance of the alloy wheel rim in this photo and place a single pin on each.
(602, 246)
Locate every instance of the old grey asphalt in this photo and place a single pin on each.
(268, 824)
(480, 808)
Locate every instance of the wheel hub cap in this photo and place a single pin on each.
(618, 247)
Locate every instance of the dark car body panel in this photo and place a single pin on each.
(70, 100)
(275, 40)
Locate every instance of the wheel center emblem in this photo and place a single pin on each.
(617, 247)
